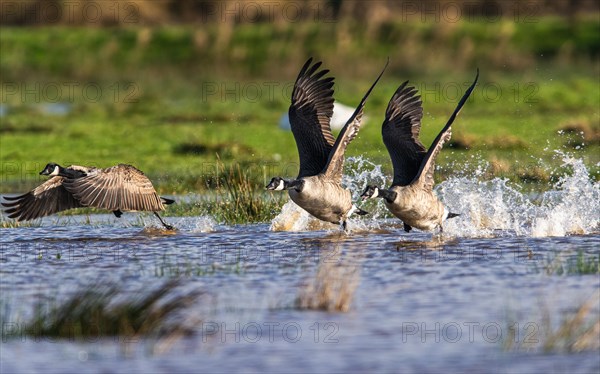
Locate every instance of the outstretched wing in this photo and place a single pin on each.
(400, 132)
(121, 187)
(335, 162)
(310, 114)
(48, 198)
(425, 173)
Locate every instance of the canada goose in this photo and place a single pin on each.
(411, 196)
(318, 189)
(118, 188)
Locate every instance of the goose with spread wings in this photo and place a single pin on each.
(411, 196)
(318, 187)
(118, 188)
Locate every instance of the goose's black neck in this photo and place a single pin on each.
(297, 184)
(388, 195)
(70, 173)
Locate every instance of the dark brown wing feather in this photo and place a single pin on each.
(335, 163)
(310, 114)
(400, 132)
(425, 174)
(48, 198)
(121, 187)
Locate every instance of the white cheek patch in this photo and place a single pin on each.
(280, 186)
(446, 213)
(375, 193)
(55, 171)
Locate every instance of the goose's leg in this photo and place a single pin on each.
(168, 227)
(407, 228)
(344, 225)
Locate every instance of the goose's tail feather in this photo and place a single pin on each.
(167, 201)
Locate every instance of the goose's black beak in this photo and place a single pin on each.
(368, 192)
(272, 185)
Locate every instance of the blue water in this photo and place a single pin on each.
(423, 303)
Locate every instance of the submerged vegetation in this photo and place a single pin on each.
(106, 311)
(332, 288)
(580, 264)
(577, 331)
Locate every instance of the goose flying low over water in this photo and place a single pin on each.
(411, 196)
(118, 188)
(318, 187)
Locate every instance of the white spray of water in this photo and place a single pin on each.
(495, 207)
(492, 207)
(202, 224)
(294, 218)
(573, 208)
(199, 224)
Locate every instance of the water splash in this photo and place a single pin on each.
(497, 207)
(294, 218)
(573, 208)
(359, 172)
(485, 207)
(202, 224)
(199, 224)
(488, 207)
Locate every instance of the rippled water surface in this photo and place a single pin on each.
(484, 296)
(423, 303)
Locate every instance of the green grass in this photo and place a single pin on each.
(180, 156)
(158, 110)
(581, 264)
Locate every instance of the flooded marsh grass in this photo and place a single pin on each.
(578, 331)
(580, 264)
(573, 331)
(332, 288)
(240, 202)
(105, 310)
